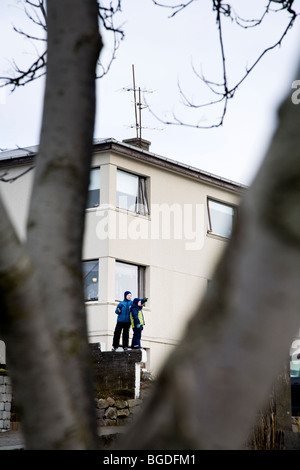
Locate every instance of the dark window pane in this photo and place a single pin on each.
(93, 198)
(90, 278)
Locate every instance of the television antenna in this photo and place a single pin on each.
(138, 106)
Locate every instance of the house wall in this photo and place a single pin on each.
(177, 267)
(179, 257)
(16, 195)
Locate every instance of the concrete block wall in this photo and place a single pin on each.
(5, 403)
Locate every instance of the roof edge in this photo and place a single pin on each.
(26, 154)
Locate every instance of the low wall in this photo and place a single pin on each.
(117, 373)
(5, 402)
(117, 379)
(116, 412)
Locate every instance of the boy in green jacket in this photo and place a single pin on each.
(137, 321)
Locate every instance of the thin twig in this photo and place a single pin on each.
(222, 90)
(14, 178)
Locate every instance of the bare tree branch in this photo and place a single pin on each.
(14, 178)
(107, 16)
(37, 14)
(223, 90)
(176, 8)
(35, 71)
(35, 10)
(4, 175)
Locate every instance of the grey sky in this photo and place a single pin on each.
(162, 51)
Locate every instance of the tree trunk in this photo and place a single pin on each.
(212, 385)
(46, 337)
(210, 389)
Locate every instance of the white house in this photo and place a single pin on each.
(154, 226)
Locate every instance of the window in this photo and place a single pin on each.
(129, 277)
(90, 279)
(132, 193)
(295, 367)
(94, 188)
(220, 218)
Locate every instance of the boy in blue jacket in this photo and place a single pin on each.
(123, 322)
(137, 321)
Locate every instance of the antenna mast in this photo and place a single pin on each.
(137, 106)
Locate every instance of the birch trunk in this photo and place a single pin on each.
(46, 329)
(237, 340)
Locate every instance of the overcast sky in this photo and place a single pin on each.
(163, 51)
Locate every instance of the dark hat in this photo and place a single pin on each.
(126, 293)
(136, 301)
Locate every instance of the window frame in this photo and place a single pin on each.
(85, 287)
(141, 279)
(99, 189)
(141, 205)
(210, 228)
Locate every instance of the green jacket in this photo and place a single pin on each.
(136, 316)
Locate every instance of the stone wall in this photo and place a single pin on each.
(5, 402)
(119, 386)
(117, 379)
(116, 412)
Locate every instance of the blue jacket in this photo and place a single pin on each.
(123, 309)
